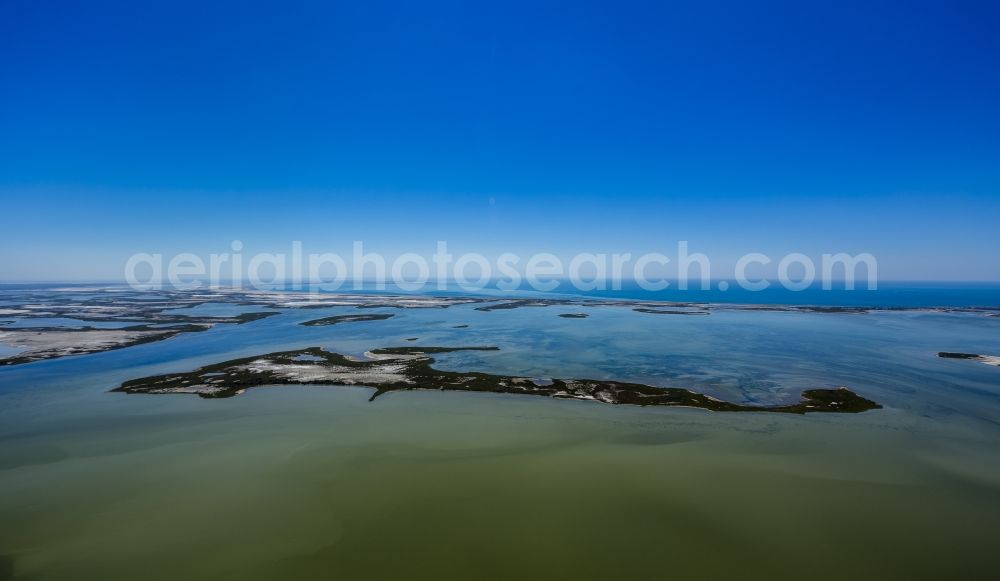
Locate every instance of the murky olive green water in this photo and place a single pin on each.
(318, 483)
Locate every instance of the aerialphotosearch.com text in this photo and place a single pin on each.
(362, 269)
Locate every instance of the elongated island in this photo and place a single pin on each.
(410, 368)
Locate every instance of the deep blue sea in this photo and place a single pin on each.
(894, 294)
(887, 295)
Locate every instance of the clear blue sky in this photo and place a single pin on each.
(523, 127)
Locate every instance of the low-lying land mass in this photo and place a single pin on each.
(49, 343)
(409, 368)
(327, 321)
(517, 304)
(987, 359)
(669, 311)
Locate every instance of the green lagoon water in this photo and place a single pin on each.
(318, 483)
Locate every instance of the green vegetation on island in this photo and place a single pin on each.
(410, 368)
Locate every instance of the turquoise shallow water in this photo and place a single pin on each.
(316, 482)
